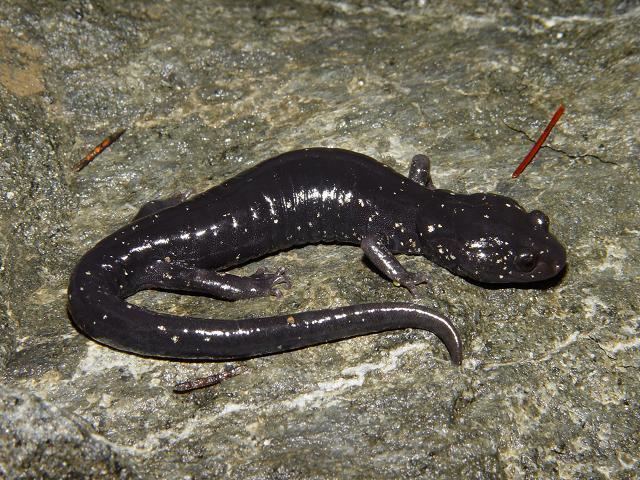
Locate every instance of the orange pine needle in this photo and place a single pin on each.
(98, 150)
(534, 150)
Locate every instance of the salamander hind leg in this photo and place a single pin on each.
(379, 254)
(420, 171)
(225, 286)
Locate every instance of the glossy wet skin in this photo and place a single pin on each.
(491, 239)
(316, 195)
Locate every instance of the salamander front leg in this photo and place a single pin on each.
(420, 171)
(378, 253)
(225, 286)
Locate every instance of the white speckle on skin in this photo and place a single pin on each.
(175, 338)
(275, 220)
(270, 202)
(162, 328)
(430, 228)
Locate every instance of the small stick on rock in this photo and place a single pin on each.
(209, 381)
(98, 150)
(534, 150)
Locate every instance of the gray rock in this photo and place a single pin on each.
(549, 387)
(38, 440)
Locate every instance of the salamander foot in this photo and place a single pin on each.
(266, 282)
(411, 281)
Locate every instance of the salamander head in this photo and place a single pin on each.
(490, 238)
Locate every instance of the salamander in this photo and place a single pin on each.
(309, 196)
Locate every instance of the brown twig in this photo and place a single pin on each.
(98, 150)
(209, 381)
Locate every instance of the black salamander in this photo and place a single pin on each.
(316, 195)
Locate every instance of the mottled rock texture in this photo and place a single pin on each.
(550, 385)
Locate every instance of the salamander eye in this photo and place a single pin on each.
(526, 261)
(539, 219)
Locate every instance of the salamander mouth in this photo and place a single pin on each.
(554, 263)
(544, 270)
(548, 266)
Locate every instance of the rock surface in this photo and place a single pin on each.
(550, 385)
